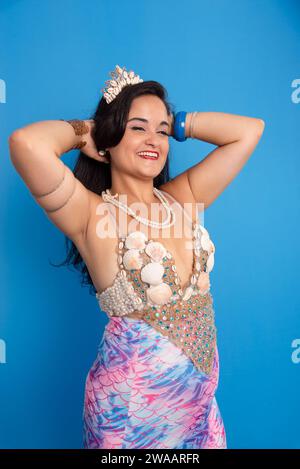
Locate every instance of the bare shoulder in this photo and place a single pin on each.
(179, 188)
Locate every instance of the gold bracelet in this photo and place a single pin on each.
(191, 124)
(80, 128)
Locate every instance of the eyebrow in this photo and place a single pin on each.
(145, 120)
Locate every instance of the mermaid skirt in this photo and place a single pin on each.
(142, 391)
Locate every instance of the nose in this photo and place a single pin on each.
(152, 138)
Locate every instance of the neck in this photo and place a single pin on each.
(142, 193)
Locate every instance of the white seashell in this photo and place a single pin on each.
(204, 230)
(193, 279)
(187, 293)
(136, 240)
(210, 262)
(205, 242)
(197, 232)
(159, 294)
(212, 247)
(152, 273)
(132, 259)
(156, 251)
(197, 244)
(197, 252)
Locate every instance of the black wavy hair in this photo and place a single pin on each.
(110, 124)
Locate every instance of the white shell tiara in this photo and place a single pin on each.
(120, 78)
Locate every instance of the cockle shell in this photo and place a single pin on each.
(197, 244)
(197, 252)
(210, 262)
(156, 251)
(204, 230)
(205, 242)
(132, 259)
(203, 283)
(136, 240)
(159, 294)
(152, 273)
(187, 293)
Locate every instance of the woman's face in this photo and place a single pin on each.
(149, 134)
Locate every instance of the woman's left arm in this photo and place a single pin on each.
(236, 137)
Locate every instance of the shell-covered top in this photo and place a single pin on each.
(148, 284)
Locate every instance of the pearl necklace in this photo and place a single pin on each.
(108, 197)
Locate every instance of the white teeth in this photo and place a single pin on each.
(153, 155)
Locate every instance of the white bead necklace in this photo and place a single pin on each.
(108, 197)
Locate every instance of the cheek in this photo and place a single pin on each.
(133, 143)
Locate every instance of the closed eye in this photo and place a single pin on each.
(141, 128)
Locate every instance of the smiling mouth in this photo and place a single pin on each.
(149, 156)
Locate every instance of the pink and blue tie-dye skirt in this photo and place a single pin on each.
(142, 391)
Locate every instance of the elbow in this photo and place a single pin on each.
(16, 137)
(260, 127)
(17, 141)
(262, 124)
(254, 131)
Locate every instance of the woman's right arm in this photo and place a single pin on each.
(35, 152)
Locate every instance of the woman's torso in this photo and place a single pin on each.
(100, 250)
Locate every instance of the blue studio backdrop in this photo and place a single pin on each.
(239, 57)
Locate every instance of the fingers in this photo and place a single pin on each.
(92, 150)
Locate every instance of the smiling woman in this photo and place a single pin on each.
(154, 379)
(115, 132)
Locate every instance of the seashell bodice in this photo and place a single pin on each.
(148, 285)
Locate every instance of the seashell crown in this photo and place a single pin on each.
(120, 78)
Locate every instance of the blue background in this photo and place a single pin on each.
(239, 57)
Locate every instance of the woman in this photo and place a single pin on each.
(153, 382)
